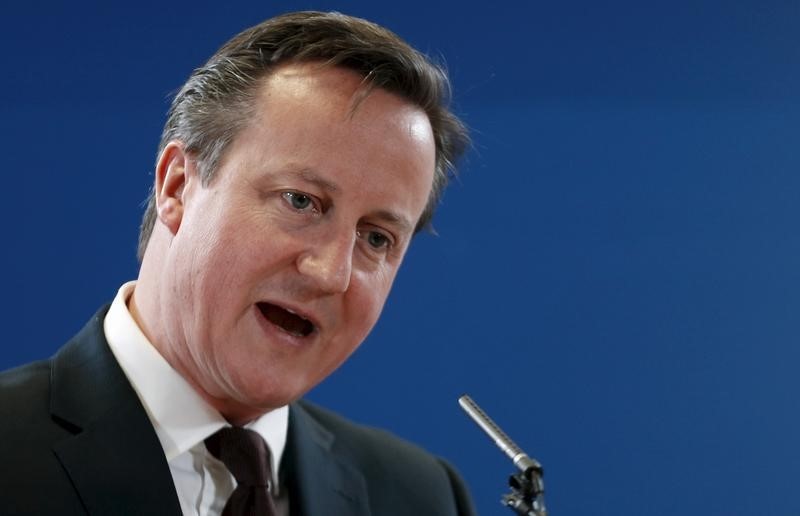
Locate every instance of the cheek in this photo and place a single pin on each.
(207, 275)
(225, 244)
(369, 292)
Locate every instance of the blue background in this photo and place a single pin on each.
(615, 276)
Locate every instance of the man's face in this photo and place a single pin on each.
(280, 267)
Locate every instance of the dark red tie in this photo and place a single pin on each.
(247, 457)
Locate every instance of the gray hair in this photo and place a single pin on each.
(218, 99)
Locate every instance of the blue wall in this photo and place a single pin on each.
(614, 279)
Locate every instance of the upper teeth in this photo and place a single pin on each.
(294, 313)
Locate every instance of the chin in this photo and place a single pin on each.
(269, 398)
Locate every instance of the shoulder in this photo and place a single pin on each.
(21, 376)
(24, 394)
(30, 429)
(396, 470)
(27, 437)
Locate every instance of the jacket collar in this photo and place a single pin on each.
(113, 458)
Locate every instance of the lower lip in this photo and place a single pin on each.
(277, 334)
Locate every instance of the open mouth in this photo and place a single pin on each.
(290, 322)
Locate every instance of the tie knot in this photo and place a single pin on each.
(245, 454)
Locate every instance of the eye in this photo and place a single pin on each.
(299, 201)
(376, 239)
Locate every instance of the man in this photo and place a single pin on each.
(293, 171)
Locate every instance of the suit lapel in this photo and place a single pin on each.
(114, 458)
(320, 482)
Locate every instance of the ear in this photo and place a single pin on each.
(173, 170)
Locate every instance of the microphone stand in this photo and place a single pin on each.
(527, 487)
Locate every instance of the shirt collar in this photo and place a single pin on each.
(181, 417)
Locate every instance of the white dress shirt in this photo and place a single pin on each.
(182, 419)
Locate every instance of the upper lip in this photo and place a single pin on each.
(309, 315)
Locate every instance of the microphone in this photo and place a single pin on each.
(527, 496)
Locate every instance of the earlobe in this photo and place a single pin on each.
(171, 177)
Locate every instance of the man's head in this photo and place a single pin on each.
(279, 223)
(217, 100)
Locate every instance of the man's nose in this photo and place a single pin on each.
(328, 261)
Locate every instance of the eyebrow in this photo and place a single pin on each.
(402, 223)
(308, 175)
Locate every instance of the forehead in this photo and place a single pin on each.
(327, 119)
(345, 87)
(317, 98)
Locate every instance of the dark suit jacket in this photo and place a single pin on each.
(74, 439)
